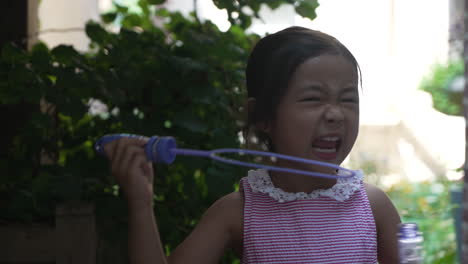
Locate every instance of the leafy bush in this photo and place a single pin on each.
(189, 88)
(437, 83)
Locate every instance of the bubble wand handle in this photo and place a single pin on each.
(164, 150)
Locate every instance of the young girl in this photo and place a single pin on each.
(303, 101)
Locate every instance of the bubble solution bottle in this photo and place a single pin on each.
(410, 244)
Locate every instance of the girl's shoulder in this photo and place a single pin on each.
(386, 221)
(378, 199)
(229, 208)
(231, 203)
(385, 214)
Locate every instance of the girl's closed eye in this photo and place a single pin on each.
(350, 100)
(310, 99)
(313, 99)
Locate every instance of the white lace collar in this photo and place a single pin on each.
(260, 181)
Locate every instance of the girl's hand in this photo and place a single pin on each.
(132, 170)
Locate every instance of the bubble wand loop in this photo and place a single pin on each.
(164, 150)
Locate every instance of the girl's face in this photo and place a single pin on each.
(318, 117)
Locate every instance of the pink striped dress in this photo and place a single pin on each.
(327, 226)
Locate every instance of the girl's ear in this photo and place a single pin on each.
(263, 126)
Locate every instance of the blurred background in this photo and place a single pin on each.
(411, 140)
(397, 46)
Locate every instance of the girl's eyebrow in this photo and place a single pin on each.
(350, 89)
(319, 88)
(313, 87)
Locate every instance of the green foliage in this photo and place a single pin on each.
(428, 204)
(237, 14)
(193, 82)
(184, 79)
(240, 12)
(437, 84)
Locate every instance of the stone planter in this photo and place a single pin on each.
(73, 239)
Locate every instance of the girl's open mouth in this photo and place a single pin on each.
(326, 148)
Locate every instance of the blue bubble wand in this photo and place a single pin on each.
(164, 150)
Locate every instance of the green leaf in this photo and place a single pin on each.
(64, 54)
(222, 4)
(272, 4)
(40, 47)
(132, 20)
(109, 17)
(246, 21)
(156, 2)
(143, 4)
(120, 8)
(163, 12)
(96, 33)
(40, 55)
(255, 6)
(306, 8)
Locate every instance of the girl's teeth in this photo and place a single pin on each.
(330, 138)
(327, 150)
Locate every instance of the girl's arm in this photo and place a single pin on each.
(219, 227)
(144, 244)
(386, 220)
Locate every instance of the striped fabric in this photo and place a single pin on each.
(320, 230)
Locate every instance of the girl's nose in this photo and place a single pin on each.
(333, 114)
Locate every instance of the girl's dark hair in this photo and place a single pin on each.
(271, 64)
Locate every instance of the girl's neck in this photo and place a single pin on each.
(299, 183)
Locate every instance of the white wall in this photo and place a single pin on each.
(68, 17)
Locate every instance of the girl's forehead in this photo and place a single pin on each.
(326, 68)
